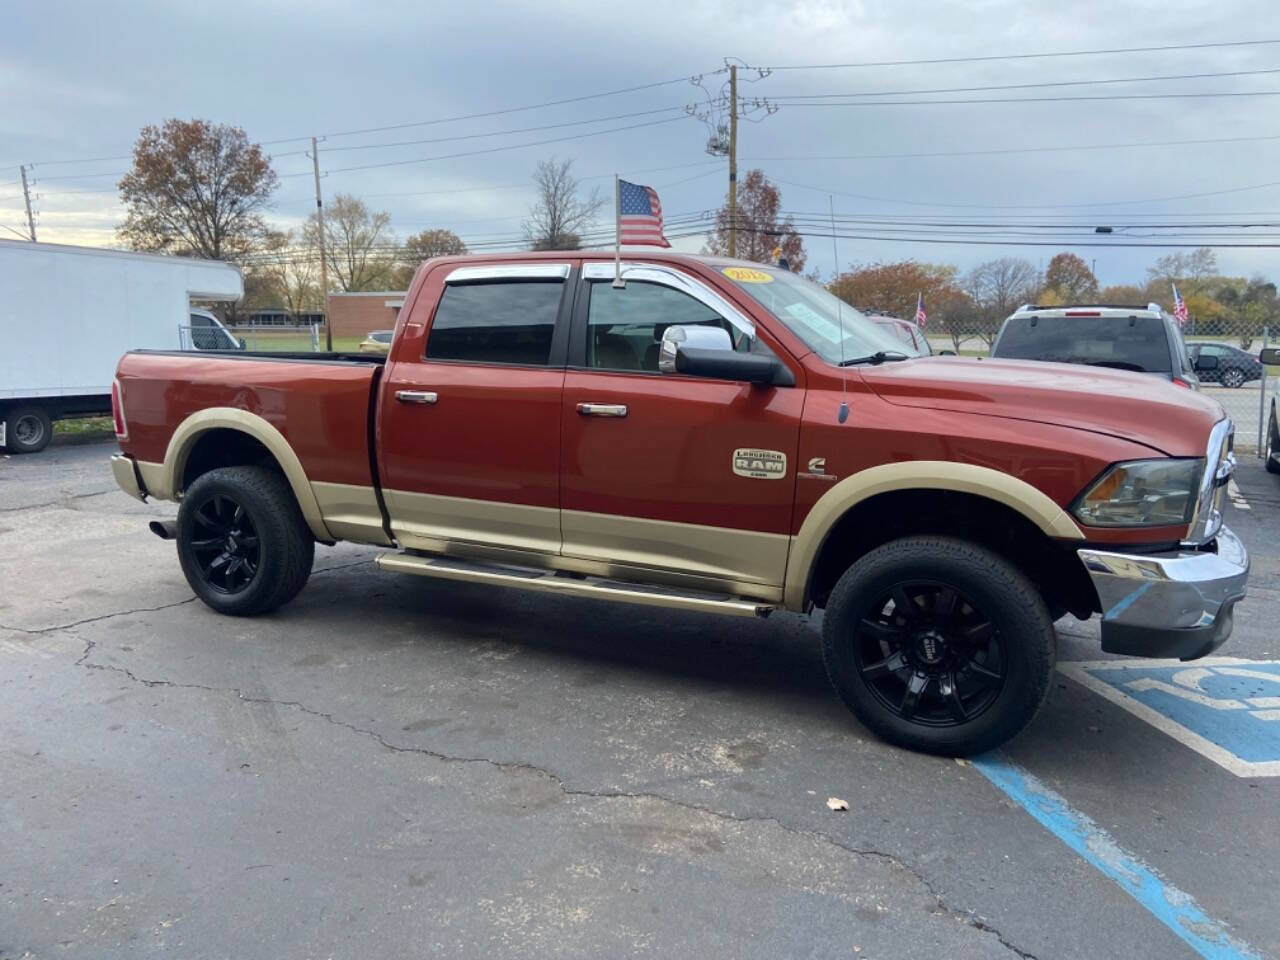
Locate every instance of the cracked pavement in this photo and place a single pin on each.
(392, 766)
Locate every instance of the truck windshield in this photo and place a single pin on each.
(812, 314)
(1126, 343)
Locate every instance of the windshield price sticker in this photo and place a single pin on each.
(747, 275)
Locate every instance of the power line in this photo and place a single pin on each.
(1024, 56)
(1029, 206)
(512, 146)
(1071, 99)
(497, 113)
(503, 133)
(1010, 150)
(1023, 86)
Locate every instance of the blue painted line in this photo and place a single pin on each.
(1176, 910)
(1128, 601)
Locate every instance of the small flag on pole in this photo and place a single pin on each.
(1179, 306)
(921, 316)
(639, 215)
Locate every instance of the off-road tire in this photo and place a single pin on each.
(27, 430)
(285, 546)
(984, 583)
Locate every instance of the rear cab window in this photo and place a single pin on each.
(511, 321)
(1125, 343)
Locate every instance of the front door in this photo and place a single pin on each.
(690, 479)
(469, 421)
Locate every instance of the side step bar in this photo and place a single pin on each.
(550, 582)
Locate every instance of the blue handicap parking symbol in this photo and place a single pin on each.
(1225, 708)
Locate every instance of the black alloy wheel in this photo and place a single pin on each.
(227, 550)
(929, 654)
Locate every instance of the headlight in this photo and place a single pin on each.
(1142, 493)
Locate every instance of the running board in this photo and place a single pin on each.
(551, 582)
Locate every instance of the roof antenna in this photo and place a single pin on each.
(843, 415)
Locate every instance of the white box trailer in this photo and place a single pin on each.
(67, 314)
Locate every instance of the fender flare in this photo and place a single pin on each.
(168, 484)
(1002, 488)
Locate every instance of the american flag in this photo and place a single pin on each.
(639, 215)
(921, 316)
(1179, 306)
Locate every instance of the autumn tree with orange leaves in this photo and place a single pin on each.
(198, 189)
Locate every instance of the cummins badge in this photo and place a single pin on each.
(759, 464)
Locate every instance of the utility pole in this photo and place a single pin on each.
(26, 193)
(324, 266)
(733, 160)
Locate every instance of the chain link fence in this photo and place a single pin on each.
(1222, 353)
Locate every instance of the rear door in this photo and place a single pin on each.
(686, 478)
(469, 417)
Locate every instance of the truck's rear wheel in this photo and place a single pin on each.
(939, 645)
(242, 542)
(27, 430)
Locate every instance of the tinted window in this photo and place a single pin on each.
(1127, 343)
(625, 326)
(510, 322)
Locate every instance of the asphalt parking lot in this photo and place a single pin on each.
(398, 767)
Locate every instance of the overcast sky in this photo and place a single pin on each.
(78, 80)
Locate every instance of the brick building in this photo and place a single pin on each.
(355, 314)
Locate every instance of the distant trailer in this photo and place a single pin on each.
(67, 314)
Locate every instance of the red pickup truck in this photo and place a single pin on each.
(716, 436)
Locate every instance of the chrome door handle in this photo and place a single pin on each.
(416, 396)
(602, 409)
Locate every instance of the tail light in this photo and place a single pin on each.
(117, 411)
(1182, 383)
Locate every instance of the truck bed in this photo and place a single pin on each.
(322, 403)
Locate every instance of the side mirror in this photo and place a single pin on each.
(708, 352)
(1206, 363)
(1270, 356)
(242, 344)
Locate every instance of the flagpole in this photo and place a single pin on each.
(617, 232)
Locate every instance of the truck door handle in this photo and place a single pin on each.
(416, 396)
(602, 409)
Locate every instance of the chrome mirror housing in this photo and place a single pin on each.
(690, 335)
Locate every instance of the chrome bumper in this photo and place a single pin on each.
(1169, 604)
(126, 474)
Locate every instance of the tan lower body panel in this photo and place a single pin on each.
(549, 583)
(425, 521)
(351, 512)
(740, 559)
(738, 562)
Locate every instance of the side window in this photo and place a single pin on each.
(200, 320)
(625, 326)
(497, 322)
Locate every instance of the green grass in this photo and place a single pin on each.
(83, 426)
(289, 341)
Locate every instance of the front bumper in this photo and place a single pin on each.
(1169, 604)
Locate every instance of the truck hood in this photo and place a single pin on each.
(1140, 407)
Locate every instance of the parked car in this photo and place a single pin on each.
(378, 341)
(693, 439)
(908, 333)
(1220, 363)
(1141, 339)
(1271, 442)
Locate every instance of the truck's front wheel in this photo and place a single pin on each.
(242, 542)
(939, 645)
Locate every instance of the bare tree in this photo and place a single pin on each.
(355, 242)
(1193, 268)
(292, 265)
(997, 288)
(560, 214)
